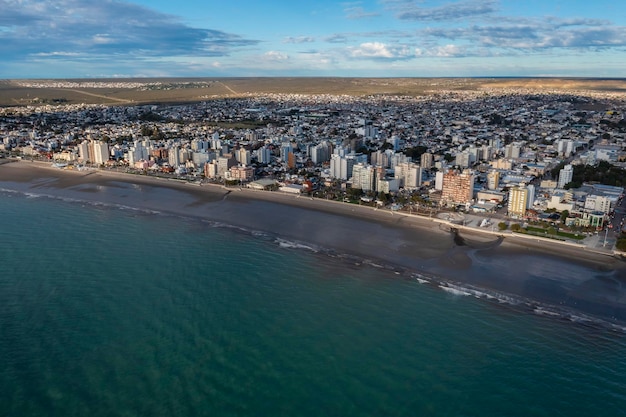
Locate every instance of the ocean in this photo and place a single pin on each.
(111, 311)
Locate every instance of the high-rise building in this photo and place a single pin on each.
(243, 156)
(395, 142)
(173, 156)
(439, 181)
(264, 155)
(531, 196)
(518, 201)
(200, 158)
(463, 159)
(363, 177)
(224, 163)
(396, 158)
(100, 152)
(485, 153)
(210, 169)
(512, 150)
(285, 150)
(341, 167)
(493, 180)
(84, 152)
(321, 152)
(291, 160)
(426, 160)
(199, 145)
(565, 176)
(252, 136)
(409, 175)
(140, 151)
(457, 187)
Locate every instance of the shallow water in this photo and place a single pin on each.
(114, 311)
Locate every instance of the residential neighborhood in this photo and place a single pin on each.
(547, 163)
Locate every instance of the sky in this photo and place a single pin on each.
(368, 38)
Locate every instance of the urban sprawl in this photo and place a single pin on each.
(511, 156)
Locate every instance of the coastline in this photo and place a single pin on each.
(559, 275)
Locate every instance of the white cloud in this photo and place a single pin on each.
(275, 56)
(379, 50)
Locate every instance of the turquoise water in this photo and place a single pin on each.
(108, 312)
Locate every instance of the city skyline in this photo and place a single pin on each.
(384, 38)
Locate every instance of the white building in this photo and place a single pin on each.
(173, 156)
(84, 152)
(264, 155)
(387, 186)
(100, 152)
(341, 167)
(409, 175)
(598, 203)
(565, 176)
(363, 177)
(321, 152)
(439, 181)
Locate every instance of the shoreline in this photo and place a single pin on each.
(212, 193)
(560, 275)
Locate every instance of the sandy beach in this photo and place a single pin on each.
(557, 275)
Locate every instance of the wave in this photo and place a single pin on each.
(84, 202)
(517, 303)
(295, 245)
(454, 291)
(421, 278)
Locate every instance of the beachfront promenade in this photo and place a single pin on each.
(464, 223)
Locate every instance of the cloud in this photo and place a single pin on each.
(533, 35)
(357, 12)
(337, 38)
(275, 56)
(104, 28)
(446, 51)
(380, 50)
(451, 11)
(298, 39)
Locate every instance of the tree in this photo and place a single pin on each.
(551, 231)
(354, 193)
(502, 226)
(516, 227)
(621, 244)
(415, 152)
(383, 197)
(564, 216)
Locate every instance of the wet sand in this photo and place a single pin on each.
(558, 275)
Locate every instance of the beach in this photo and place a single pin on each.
(531, 271)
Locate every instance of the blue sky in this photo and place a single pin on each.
(369, 38)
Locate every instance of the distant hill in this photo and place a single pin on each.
(179, 90)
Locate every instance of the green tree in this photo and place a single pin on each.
(415, 152)
(385, 198)
(551, 231)
(516, 227)
(354, 193)
(564, 216)
(621, 244)
(502, 226)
